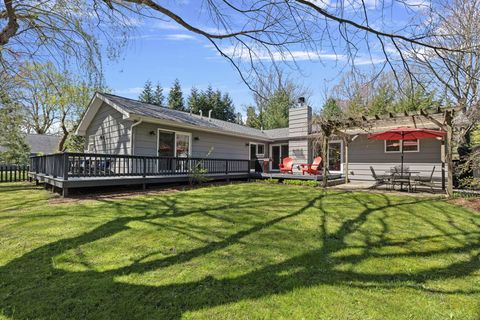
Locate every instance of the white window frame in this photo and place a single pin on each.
(342, 150)
(189, 134)
(256, 149)
(401, 147)
(271, 153)
(263, 153)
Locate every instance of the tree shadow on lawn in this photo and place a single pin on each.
(32, 287)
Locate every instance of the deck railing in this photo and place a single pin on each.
(70, 165)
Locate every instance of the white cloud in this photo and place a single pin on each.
(179, 37)
(298, 55)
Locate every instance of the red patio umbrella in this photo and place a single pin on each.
(406, 133)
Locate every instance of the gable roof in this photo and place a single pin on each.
(137, 110)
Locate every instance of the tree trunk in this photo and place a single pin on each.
(325, 160)
(61, 144)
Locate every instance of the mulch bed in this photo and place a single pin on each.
(470, 203)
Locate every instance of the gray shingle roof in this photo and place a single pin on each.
(42, 143)
(148, 110)
(277, 134)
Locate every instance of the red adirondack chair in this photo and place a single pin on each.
(312, 168)
(287, 165)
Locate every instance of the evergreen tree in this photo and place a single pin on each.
(175, 97)
(382, 101)
(416, 98)
(193, 101)
(158, 98)
(252, 118)
(221, 104)
(147, 93)
(331, 110)
(227, 109)
(12, 138)
(275, 113)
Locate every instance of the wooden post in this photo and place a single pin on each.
(144, 173)
(449, 142)
(443, 158)
(65, 166)
(346, 142)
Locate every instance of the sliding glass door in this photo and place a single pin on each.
(173, 144)
(335, 156)
(166, 144)
(278, 152)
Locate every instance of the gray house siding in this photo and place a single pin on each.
(364, 153)
(108, 132)
(221, 146)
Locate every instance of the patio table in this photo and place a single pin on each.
(405, 178)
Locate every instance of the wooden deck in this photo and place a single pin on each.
(82, 170)
(66, 171)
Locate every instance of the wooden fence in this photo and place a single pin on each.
(13, 173)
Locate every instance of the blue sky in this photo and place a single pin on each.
(163, 51)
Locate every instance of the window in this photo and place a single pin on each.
(91, 147)
(392, 146)
(183, 145)
(396, 146)
(410, 146)
(260, 149)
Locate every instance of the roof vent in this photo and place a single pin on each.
(201, 113)
(210, 114)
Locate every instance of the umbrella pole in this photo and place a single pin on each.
(401, 166)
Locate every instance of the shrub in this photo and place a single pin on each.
(308, 183)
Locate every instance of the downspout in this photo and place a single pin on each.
(131, 136)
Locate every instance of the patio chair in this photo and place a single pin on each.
(313, 168)
(287, 165)
(425, 181)
(380, 179)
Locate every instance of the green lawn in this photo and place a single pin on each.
(244, 251)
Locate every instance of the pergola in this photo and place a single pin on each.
(348, 130)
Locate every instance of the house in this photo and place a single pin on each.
(122, 126)
(40, 143)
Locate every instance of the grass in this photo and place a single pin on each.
(244, 251)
